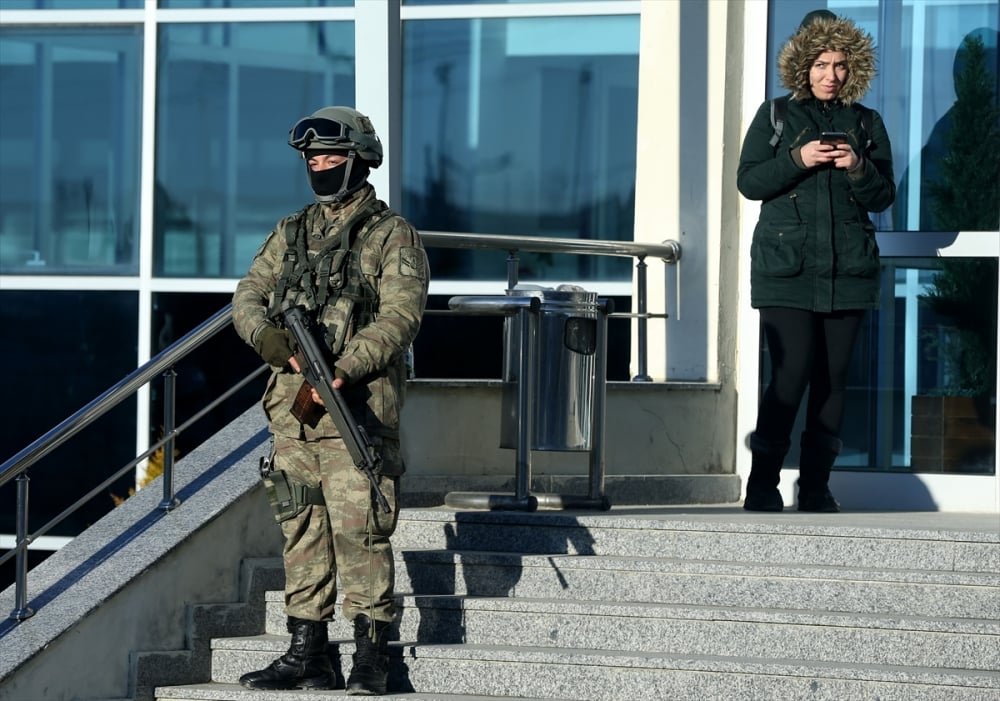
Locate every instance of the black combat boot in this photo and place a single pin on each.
(306, 665)
(819, 451)
(765, 473)
(371, 659)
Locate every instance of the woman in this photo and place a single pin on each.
(814, 260)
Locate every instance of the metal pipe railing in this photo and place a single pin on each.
(669, 252)
(16, 467)
(112, 397)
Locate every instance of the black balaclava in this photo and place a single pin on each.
(335, 184)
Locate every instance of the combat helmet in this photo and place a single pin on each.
(343, 131)
(338, 129)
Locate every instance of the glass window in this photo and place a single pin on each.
(50, 384)
(922, 388)
(204, 374)
(69, 138)
(255, 4)
(523, 126)
(71, 4)
(491, 2)
(227, 96)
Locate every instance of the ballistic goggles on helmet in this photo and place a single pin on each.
(326, 131)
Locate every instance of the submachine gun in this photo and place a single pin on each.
(316, 371)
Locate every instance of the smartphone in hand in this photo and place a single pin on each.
(832, 138)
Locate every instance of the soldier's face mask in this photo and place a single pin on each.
(312, 129)
(334, 184)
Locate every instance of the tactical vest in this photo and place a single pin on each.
(330, 273)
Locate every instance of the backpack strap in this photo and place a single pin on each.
(866, 124)
(779, 107)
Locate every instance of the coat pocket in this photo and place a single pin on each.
(777, 250)
(857, 250)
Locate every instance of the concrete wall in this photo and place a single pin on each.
(658, 437)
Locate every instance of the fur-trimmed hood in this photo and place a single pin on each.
(822, 34)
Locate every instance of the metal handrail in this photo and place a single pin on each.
(16, 467)
(115, 395)
(669, 252)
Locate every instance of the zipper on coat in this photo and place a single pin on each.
(795, 203)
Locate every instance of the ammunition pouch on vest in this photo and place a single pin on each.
(330, 273)
(289, 499)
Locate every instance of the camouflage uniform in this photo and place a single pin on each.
(348, 536)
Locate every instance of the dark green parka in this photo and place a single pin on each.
(814, 245)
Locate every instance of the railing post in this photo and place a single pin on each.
(170, 501)
(642, 375)
(598, 417)
(513, 268)
(21, 610)
(527, 367)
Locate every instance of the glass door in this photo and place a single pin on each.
(920, 428)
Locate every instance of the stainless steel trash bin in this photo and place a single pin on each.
(564, 359)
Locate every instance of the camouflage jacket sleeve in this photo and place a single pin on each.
(395, 263)
(256, 290)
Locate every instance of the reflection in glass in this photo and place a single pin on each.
(487, 2)
(255, 4)
(204, 374)
(69, 128)
(954, 408)
(68, 348)
(951, 186)
(522, 126)
(228, 94)
(71, 4)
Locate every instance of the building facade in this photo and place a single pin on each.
(143, 161)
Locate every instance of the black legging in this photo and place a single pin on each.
(807, 349)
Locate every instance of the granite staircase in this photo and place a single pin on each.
(666, 604)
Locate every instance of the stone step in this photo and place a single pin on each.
(724, 534)
(708, 583)
(234, 692)
(636, 605)
(602, 675)
(706, 630)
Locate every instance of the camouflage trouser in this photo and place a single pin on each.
(348, 537)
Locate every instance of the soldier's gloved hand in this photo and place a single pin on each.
(274, 345)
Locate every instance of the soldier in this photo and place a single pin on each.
(361, 272)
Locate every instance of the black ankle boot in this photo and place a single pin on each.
(306, 665)
(370, 673)
(765, 473)
(819, 451)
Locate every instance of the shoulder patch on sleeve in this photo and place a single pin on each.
(264, 245)
(413, 262)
